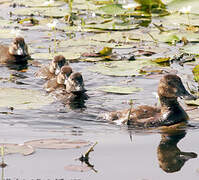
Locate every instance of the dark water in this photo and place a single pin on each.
(119, 154)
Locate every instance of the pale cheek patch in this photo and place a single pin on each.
(57, 71)
(19, 52)
(165, 115)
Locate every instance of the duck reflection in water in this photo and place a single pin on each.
(75, 102)
(170, 157)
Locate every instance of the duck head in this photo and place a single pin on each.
(57, 63)
(18, 47)
(64, 74)
(75, 83)
(171, 87)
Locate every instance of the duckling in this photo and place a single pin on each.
(75, 83)
(16, 52)
(74, 91)
(170, 112)
(59, 81)
(51, 70)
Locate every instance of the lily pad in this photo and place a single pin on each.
(176, 5)
(39, 3)
(57, 143)
(84, 6)
(84, 43)
(17, 148)
(114, 26)
(6, 33)
(196, 73)
(6, 23)
(191, 49)
(175, 36)
(5, 1)
(121, 68)
(192, 102)
(49, 12)
(113, 9)
(120, 89)
(23, 98)
(49, 56)
(175, 20)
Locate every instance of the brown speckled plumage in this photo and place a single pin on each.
(170, 112)
(16, 52)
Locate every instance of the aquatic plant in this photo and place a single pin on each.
(53, 26)
(2, 164)
(186, 10)
(49, 3)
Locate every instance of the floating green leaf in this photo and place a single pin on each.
(161, 60)
(23, 98)
(176, 20)
(6, 23)
(6, 33)
(191, 49)
(49, 12)
(39, 3)
(196, 73)
(120, 89)
(121, 68)
(106, 51)
(112, 26)
(91, 42)
(17, 148)
(57, 143)
(152, 6)
(68, 55)
(176, 5)
(112, 9)
(175, 36)
(192, 102)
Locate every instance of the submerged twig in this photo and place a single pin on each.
(129, 115)
(152, 37)
(85, 158)
(131, 106)
(2, 164)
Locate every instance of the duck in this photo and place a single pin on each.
(74, 92)
(59, 81)
(169, 113)
(52, 69)
(16, 52)
(75, 83)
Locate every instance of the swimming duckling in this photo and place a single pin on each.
(59, 81)
(74, 91)
(170, 113)
(16, 52)
(51, 70)
(75, 83)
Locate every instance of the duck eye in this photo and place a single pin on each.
(61, 63)
(170, 83)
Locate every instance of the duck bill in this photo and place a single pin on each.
(66, 81)
(189, 97)
(57, 71)
(79, 88)
(21, 51)
(186, 95)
